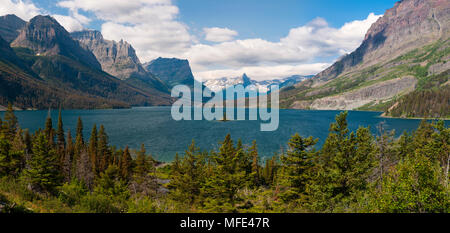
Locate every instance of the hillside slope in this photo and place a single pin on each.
(48, 68)
(404, 54)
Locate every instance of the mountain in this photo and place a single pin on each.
(10, 26)
(46, 67)
(118, 59)
(400, 68)
(224, 83)
(171, 71)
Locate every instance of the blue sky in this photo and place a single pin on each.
(272, 19)
(264, 38)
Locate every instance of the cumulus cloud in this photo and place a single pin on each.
(151, 26)
(23, 9)
(302, 44)
(71, 24)
(216, 34)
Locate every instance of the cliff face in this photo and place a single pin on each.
(10, 26)
(116, 58)
(411, 40)
(119, 59)
(46, 37)
(172, 71)
(46, 68)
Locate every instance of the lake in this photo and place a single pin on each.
(164, 137)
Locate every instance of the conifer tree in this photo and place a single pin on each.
(10, 123)
(61, 141)
(144, 182)
(345, 162)
(10, 161)
(68, 163)
(227, 179)
(188, 177)
(92, 149)
(256, 174)
(126, 164)
(42, 173)
(104, 152)
(79, 140)
(49, 131)
(297, 167)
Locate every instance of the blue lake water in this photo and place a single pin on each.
(164, 137)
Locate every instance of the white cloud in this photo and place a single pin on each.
(71, 24)
(151, 26)
(23, 9)
(261, 73)
(302, 45)
(216, 34)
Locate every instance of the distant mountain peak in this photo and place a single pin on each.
(46, 37)
(172, 71)
(10, 26)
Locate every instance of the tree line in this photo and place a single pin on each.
(51, 171)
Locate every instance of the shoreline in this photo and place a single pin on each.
(4, 109)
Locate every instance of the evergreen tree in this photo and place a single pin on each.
(255, 169)
(61, 141)
(79, 139)
(188, 178)
(10, 161)
(68, 163)
(10, 123)
(297, 167)
(92, 149)
(42, 173)
(344, 164)
(104, 153)
(126, 164)
(228, 179)
(49, 132)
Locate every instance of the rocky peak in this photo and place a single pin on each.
(116, 58)
(46, 37)
(172, 71)
(10, 26)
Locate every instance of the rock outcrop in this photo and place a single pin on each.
(10, 27)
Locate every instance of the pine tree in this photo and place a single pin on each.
(126, 164)
(144, 182)
(104, 152)
(79, 140)
(92, 149)
(255, 174)
(68, 163)
(188, 177)
(42, 173)
(61, 141)
(297, 167)
(49, 131)
(10, 123)
(345, 162)
(222, 188)
(10, 161)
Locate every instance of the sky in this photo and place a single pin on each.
(266, 39)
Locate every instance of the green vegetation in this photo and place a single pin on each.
(48, 171)
(429, 99)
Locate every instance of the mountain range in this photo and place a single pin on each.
(264, 86)
(45, 66)
(401, 67)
